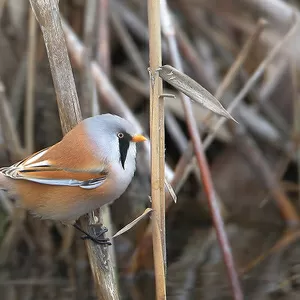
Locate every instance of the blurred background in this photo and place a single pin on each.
(254, 165)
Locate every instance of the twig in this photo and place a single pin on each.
(201, 160)
(131, 49)
(88, 87)
(193, 90)
(296, 129)
(157, 149)
(110, 96)
(278, 10)
(234, 69)
(103, 59)
(132, 81)
(250, 149)
(286, 240)
(172, 125)
(31, 66)
(135, 24)
(9, 130)
(231, 74)
(103, 56)
(289, 237)
(175, 131)
(252, 81)
(182, 166)
(194, 60)
(47, 14)
(87, 95)
(251, 41)
(17, 93)
(180, 174)
(284, 204)
(281, 13)
(264, 96)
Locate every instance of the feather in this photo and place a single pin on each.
(47, 167)
(54, 176)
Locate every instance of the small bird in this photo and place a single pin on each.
(91, 166)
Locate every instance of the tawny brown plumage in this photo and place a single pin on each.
(92, 165)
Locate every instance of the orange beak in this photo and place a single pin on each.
(138, 138)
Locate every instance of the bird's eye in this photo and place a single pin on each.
(120, 135)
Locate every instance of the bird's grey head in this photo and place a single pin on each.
(114, 136)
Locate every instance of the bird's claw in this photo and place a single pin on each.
(98, 239)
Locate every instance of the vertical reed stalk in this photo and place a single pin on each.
(31, 64)
(157, 148)
(47, 14)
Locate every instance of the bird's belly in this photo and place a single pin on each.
(64, 203)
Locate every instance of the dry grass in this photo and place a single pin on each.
(237, 185)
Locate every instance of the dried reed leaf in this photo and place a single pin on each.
(171, 190)
(192, 89)
(135, 221)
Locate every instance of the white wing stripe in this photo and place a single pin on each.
(35, 157)
(38, 164)
(68, 182)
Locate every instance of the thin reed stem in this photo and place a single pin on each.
(157, 148)
(31, 65)
(47, 14)
(169, 31)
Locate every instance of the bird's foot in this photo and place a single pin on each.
(98, 239)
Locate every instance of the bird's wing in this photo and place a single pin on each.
(70, 165)
(54, 176)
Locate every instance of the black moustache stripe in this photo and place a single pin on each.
(123, 147)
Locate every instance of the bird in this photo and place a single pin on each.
(91, 166)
